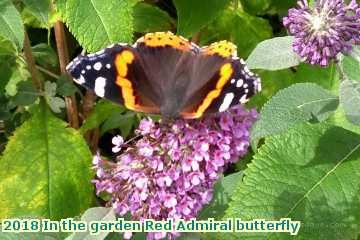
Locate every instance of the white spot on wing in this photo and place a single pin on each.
(108, 66)
(100, 52)
(232, 80)
(80, 80)
(247, 70)
(239, 83)
(99, 89)
(82, 71)
(88, 67)
(227, 101)
(97, 66)
(69, 65)
(243, 99)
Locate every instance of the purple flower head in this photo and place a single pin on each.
(323, 30)
(171, 170)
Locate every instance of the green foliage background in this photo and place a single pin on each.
(305, 158)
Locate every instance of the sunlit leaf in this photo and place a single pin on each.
(350, 100)
(45, 170)
(298, 103)
(96, 24)
(274, 54)
(40, 9)
(11, 26)
(310, 174)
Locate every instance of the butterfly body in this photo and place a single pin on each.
(166, 74)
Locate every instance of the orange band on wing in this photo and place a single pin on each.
(222, 48)
(162, 39)
(122, 61)
(225, 73)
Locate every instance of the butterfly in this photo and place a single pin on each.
(162, 73)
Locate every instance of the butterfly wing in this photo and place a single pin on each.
(167, 74)
(232, 83)
(115, 73)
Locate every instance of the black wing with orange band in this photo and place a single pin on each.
(232, 84)
(115, 73)
(167, 74)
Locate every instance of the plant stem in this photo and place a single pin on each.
(88, 105)
(31, 64)
(94, 141)
(63, 53)
(44, 70)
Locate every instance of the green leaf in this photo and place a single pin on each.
(61, 7)
(298, 103)
(274, 54)
(339, 119)
(256, 7)
(56, 104)
(49, 89)
(26, 94)
(20, 73)
(96, 25)
(45, 170)
(350, 64)
(102, 111)
(248, 31)
(238, 27)
(223, 190)
(30, 20)
(11, 26)
(65, 86)
(326, 77)
(7, 47)
(149, 18)
(39, 8)
(6, 70)
(350, 100)
(193, 15)
(124, 122)
(282, 7)
(309, 174)
(45, 55)
(94, 214)
(271, 83)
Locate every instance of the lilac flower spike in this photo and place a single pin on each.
(323, 30)
(171, 170)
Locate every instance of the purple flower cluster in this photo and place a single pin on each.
(324, 30)
(171, 170)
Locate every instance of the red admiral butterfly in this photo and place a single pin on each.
(167, 74)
